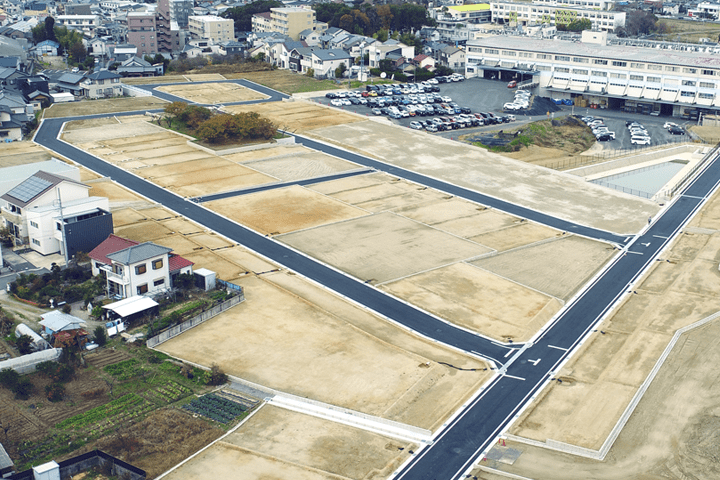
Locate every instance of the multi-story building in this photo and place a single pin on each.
(589, 4)
(705, 10)
(288, 21)
(212, 27)
(536, 13)
(131, 268)
(142, 32)
(180, 10)
(669, 79)
(86, 23)
(169, 32)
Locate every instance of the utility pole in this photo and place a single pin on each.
(62, 227)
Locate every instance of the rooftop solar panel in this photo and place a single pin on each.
(29, 189)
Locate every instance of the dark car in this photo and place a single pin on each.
(676, 131)
(604, 137)
(331, 95)
(465, 110)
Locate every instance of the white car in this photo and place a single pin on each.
(668, 125)
(337, 102)
(446, 99)
(416, 125)
(639, 140)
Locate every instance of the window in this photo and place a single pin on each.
(618, 75)
(641, 66)
(58, 226)
(579, 71)
(159, 281)
(598, 61)
(619, 64)
(653, 79)
(140, 269)
(509, 53)
(562, 70)
(637, 77)
(492, 51)
(689, 70)
(36, 242)
(33, 224)
(708, 72)
(687, 94)
(598, 73)
(669, 68)
(526, 55)
(157, 264)
(707, 85)
(688, 83)
(654, 67)
(542, 56)
(580, 60)
(706, 96)
(562, 58)
(542, 68)
(142, 289)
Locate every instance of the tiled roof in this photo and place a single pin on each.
(176, 262)
(110, 245)
(138, 253)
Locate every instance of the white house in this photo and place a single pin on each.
(31, 209)
(133, 268)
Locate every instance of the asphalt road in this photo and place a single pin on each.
(363, 294)
(475, 430)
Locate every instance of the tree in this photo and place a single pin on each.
(100, 335)
(577, 25)
(6, 236)
(24, 388)
(9, 378)
(443, 71)
(184, 281)
(55, 392)
(24, 344)
(50, 28)
(340, 70)
(639, 22)
(173, 111)
(77, 53)
(217, 376)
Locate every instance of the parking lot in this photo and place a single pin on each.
(482, 95)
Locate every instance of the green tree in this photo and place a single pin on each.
(9, 378)
(217, 376)
(50, 28)
(443, 71)
(100, 335)
(24, 344)
(24, 388)
(173, 111)
(55, 392)
(342, 68)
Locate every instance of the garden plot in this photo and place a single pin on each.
(284, 210)
(557, 267)
(277, 443)
(318, 350)
(478, 300)
(267, 153)
(300, 115)
(384, 247)
(300, 166)
(212, 93)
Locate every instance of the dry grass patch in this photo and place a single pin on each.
(298, 115)
(95, 107)
(212, 93)
(285, 81)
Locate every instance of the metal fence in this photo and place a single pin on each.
(229, 285)
(195, 321)
(698, 166)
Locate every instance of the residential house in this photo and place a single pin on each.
(424, 61)
(84, 23)
(137, 67)
(324, 62)
(101, 84)
(31, 211)
(231, 48)
(379, 51)
(211, 27)
(133, 268)
(452, 57)
(15, 113)
(56, 321)
(310, 37)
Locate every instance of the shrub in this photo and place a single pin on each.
(217, 376)
(55, 392)
(66, 308)
(100, 336)
(97, 311)
(95, 393)
(24, 344)
(23, 388)
(9, 378)
(57, 372)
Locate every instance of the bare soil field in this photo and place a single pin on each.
(298, 115)
(215, 180)
(95, 122)
(388, 196)
(204, 77)
(710, 134)
(210, 240)
(284, 210)
(385, 247)
(558, 267)
(478, 300)
(22, 153)
(148, 80)
(300, 166)
(267, 153)
(122, 133)
(285, 81)
(147, 231)
(283, 341)
(182, 225)
(667, 436)
(225, 269)
(514, 236)
(248, 261)
(277, 443)
(212, 93)
(511, 180)
(94, 107)
(119, 196)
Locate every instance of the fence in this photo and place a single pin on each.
(229, 285)
(86, 461)
(27, 363)
(694, 170)
(195, 321)
(133, 91)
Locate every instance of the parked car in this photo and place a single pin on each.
(676, 130)
(416, 125)
(376, 111)
(639, 140)
(605, 137)
(512, 84)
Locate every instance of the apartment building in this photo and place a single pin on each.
(180, 10)
(705, 10)
(86, 23)
(290, 21)
(460, 22)
(589, 4)
(212, 27)
(669, 79)
(527, 14)
(142, 32)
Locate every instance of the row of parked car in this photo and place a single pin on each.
(638, 133)
(600, 130)
(521, 102)
(674, 128)
(463, 120)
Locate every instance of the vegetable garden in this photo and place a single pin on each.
(215, 408)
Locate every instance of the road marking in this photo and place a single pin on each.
(636, 253)
(628, 238)
(690, 196)
(646, 244)
(535, 362)
(512, 376)
(510, 352)
(558, 348)
(658, 236)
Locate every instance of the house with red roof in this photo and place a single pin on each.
(423, 61)
(132, 268)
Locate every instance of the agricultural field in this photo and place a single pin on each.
(215, 408)
(688, 31)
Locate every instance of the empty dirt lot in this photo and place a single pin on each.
(212, 93)
(112, 105)
(298, 115)
(277, 443)
(310, 346)
(670, 433)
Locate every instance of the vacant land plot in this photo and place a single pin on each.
(268, 153)
(119, 196)
(123, 132)
(384, 247)
(163, 79)
(523, 233)
(284, 210)
(535, 187)
(599, 381)
(298, 115)
(94, 107)
(558, 267)
(146, 231)
(301, 166)
(212, 93)
(286, 81)
(689, 31)
(280, 340)
(22, 153)
(478, 300)
(95, 122)
(267, 446)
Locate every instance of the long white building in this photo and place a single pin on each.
(634, 79)
(527, 14)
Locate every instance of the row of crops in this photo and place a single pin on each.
(109, 415)
(215, 408)
(124, 370)
(168, 392)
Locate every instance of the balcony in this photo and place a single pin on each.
(115, 277)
